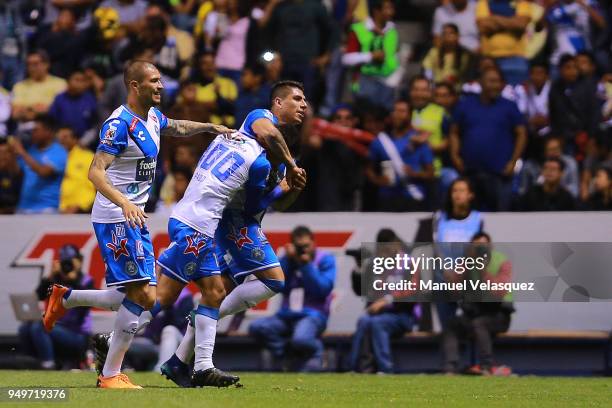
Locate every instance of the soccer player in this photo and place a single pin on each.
(122, 171)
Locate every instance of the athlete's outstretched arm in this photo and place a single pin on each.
(274, 142)
(186, 128)
(97, 175)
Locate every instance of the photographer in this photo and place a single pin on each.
(484, 314)
(310, 275)
(70, 336)
(386, 317)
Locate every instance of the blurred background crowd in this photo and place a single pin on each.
(405, 96)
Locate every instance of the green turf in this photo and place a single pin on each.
(323, 390)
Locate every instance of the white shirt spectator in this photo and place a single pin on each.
(530, 102)
(465, 20)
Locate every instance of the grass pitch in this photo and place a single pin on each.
(322, 390)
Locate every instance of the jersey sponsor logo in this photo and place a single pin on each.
(133, 124)
(240, 238)
(133, 188)
(141, 136)
(195, 242)
(118, 246)
(145, 169)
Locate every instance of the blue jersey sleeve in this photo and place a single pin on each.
(113, 137)
(255, 115)
(256, 184)
(163, 119)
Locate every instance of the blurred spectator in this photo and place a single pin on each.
(487, 137)
(550, 195)
(68, 340)
(304, 35)
(274, 67)
(570, 25)
(398, 165)
(177, 50)
(481, 321)
(42, 166)
(372, 46)
(338, 165)
(161, 337)
(77, 107)
(80, 8)
(216, 92)
(184, 156)
(5, 111)
(63, 44)
(184, 13)
(310, 274)
(131, 12)
(431, 121)
(586, 66)
(232, 39)
(601, 197)
(599, 155)
(448, 61)
(385, 318)
(76, 192)
(573, 105)
(34, 95)
(461, 13)
(445, 96)
(473, 86)
(532, 171)
(10, 179)
(502, 27)
(181, 176)
(105, 52)
(532, 99)
(254, 92)
(12, 43)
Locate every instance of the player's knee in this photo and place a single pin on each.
(275, 285)
(215, 294)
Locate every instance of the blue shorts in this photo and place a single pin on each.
(127, 253)
(242, 247)
(190, 256)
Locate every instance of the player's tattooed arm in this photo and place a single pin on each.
(97, 175)
(274, 142)
(186, 128)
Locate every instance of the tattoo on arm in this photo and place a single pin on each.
(100, 180)
(186, 128)
(278, 147)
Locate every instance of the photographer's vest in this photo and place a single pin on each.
(369, 42)
(493, 268)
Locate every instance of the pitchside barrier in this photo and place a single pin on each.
(29, 243)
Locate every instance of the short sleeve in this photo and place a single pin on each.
(56, 158)
(255, 115)
(516, 116)
(113, 137)
(163, 119)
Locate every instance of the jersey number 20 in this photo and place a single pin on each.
(224, 163)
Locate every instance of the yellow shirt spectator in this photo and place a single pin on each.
(207, 94)
(77, 193)
(29, 92)
(502, 42)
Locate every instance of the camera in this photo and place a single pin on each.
(66, 266)
(300, 249)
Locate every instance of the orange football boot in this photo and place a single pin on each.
(55, 309)
(117, 381)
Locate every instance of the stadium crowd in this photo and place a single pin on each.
(514, 96)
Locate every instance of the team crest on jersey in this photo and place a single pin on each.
(130, 268)
(118, 244)
(133, 188)
(190, 268)
(194, 244)
(109, 136)
(257, 254)
(240, 238)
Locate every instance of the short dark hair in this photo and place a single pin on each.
(566, 58)
(539, 64)
(183, 170)
(492, 69)
(134, 71)
(300, 231)
(41, 53)
(418, 78)
(281, 89)
(588, 54)
(256, 68)
(556, 160)
(47, 121)
(452, 26)
(481, 234)
(376, 4)
(68, 127)
(387, 235)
